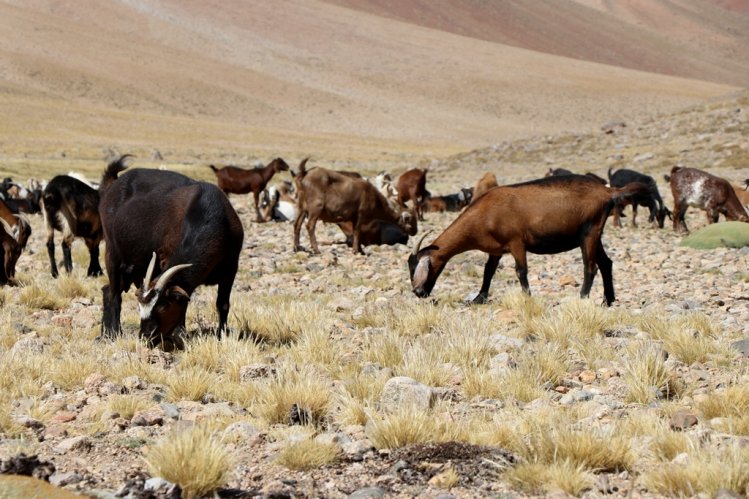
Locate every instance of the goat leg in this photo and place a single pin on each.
(256, 195)
(94, 269)
(311, 222)
(222, 305)
(605, 265)
(112, 303)
(489, 270)
(521, 268)
(67, 259)
(589, 247)
(51, 252)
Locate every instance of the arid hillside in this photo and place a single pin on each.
(244, 80)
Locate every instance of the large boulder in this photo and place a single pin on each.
(720, 235)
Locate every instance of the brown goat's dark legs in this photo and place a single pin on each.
(94, 269)
(605, 266)
(311, 222)
(256, 195)
(298, 228)
(67, 259)
(489, 269)
(521, 268)
(617, 212)
(112, 303)
(634, 214)
(51, 253)
(222, 305)
(589, 249)
(679, 212)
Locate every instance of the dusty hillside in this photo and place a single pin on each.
(254, 78)
(690, 38)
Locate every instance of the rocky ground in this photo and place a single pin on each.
(67, 417)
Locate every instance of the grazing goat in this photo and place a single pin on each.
(412, 187)
(278, 204)
(235, 180)
(545, 216)
(693, 187)
(193, 238)
(335, 197)
(742, 193)
(653, 200)
(375, 232)
(488, 181)
(449, 202)
(20, 199)
(72, 207)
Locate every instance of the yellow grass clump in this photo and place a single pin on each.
(308, 454)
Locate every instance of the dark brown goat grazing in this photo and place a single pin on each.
(194, 238)
(693, 187)
(333, 197)
(488, 181)
(235, 180)
(653, 201)
(412, 187)
(545, 216)
(72, 207)
(375, 232)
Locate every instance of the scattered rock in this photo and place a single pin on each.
(402, 391)
(74, 443)
(63, 479)
(368, 493)
(254, 371)
(741, 346)
(682, 420)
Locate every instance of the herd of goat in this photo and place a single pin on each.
(195, 236)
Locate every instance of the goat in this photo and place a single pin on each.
(375, 232)
(693, 187)
(235, 180)
(194, 238)
(278, 204)
(18, 227)
(84, 179)
(11, 251)
(653, 200)
(20, 199)
(488, 181)
(72, 207)
(334, 197)
(563, 171)
(742, 193)
(545, 216)
(412, 187)
(449, 202)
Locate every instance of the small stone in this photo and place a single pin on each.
(367, 493)
(587, 376)
(156, 483)
(741, 346)
(154, 416)
(243, 432)
(727, 494)
(254, 371)
(356, 449)
(63, 417)
(682, 459)
(132, 383)
(55, 431)
(93, 382)
(63, 479)
(73, 443)
(401, 390)
(567, 280)
(682, 420)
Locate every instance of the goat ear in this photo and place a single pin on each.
(421, 273)
(177, 293)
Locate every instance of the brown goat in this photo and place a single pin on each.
(235, 180)
(11, 251)
(693, 187)
(334, 197)
(19, 227)
(485, 183)
(412, 187)
(545, 216)
(742, 194)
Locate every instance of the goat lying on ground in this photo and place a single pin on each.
(235, 180)
(277, 203)
(375, 232)
(336, 197)
(72, 207)
(412, 187)
(449, 202)
(546, 216)
(193, 238)
(693, 187)
(653, 200)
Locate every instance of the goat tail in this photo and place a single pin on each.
(112, 170)
(215, 170)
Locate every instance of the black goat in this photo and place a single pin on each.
(652, 200)
(193, 238)
(72, 207)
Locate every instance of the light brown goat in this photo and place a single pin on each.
(546, 216)
(412, 187)
(485, 183)
(235, 180)
(693, 187)
(334, 197)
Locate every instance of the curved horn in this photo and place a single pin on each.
(418, 244)
(149, 272)
(164, 278)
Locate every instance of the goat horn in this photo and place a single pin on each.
(418, 245)
(149, 272)
(164, 278)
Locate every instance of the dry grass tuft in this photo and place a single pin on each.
(38, 297)
(411, 426)
(190, 383)
(277, 319)
(646, 374)
(128, 404)
(70, 287)
(538, 478)
(195, 459)
(308, 454)
(303, 389)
